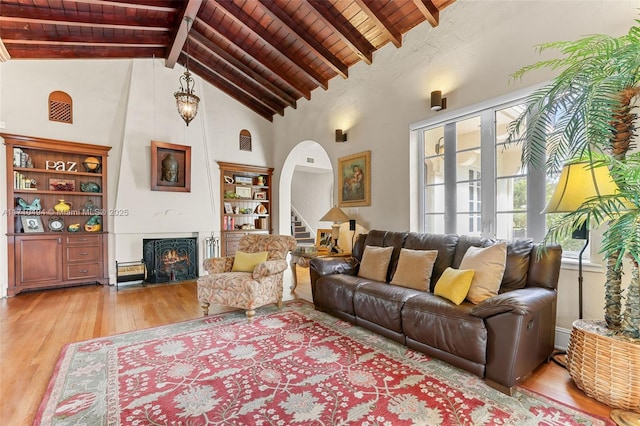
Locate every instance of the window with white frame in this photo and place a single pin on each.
(474, 183)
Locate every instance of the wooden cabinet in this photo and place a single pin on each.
(56, 213)
(246, 195)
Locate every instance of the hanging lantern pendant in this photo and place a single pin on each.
(186, 100)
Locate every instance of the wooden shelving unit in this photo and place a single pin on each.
(60, 251)
(245, 192)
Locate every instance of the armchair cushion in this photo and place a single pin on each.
(247, 262)
(218, 265)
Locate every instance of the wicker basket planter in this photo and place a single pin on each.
(605, 367)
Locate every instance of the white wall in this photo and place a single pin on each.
(470, 57)
(126, 104)
(311, 195)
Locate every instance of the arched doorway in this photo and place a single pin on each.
(307, 175)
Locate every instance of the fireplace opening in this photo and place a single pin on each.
(170, 259)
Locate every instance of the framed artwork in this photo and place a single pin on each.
(323, 240)
(32, 224)
(227, 208)
(243, 192)
(354, 180)
(260, 196)
(170, 167)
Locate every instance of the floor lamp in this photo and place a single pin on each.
(578, 183)
(336, 216)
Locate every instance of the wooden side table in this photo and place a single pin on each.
(303, 259)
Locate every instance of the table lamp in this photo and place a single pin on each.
(336, 216)
(578, 183)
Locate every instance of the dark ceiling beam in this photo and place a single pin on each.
(19, 51)
(303, 36)
(248, 87)
(19, 35)
(149, 5)
(189, 14)
(429, 10)
(241, 18)
(43, 16)
(369, 8)
(52, 43)
(298, 91)
(232, 91)
(343, 28)
(240, 67)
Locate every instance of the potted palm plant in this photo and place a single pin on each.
(587, 114)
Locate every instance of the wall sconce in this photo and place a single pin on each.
(437, 101)
(341, 136)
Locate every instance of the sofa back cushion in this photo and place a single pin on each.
(387, 239)
(517, 269)
(444, 243)
(414, 269)
(375, 263)
(489, 264)
(544, 267)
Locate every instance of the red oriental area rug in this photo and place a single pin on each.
(293, 366)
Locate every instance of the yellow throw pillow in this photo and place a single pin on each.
(414, 268)
(375, 262)
(247, 262)
(489, 264)
(454, 284)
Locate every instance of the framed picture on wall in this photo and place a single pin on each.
(170, 167)
(354, 180)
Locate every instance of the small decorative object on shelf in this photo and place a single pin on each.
(34, 206)
(260, 180)
(228, 179)
(32, 224)
(89, 187)
(74, 227)
(56, 224)
(62, 184)
(93, 224)
(261, 209)
(92, 164)
(62, 206)
(89, 206)
(243, 192)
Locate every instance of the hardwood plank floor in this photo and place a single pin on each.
(34, 327)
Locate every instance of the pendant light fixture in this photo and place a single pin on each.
(186, 100)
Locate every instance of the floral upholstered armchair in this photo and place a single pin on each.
(247, 290)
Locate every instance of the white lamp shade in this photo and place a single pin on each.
(578, 183)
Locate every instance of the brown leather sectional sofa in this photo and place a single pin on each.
(501, 339)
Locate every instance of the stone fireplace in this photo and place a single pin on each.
(170, 259)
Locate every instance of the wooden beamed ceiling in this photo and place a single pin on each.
(266, 54)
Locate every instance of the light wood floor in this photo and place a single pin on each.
(34, 327)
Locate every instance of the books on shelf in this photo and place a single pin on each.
(20, 181)
(21, 158)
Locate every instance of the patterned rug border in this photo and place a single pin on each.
(394, 350)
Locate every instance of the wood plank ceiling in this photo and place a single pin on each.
(266, 54)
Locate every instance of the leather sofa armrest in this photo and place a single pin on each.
(334, 265)
(269, 267)
(218, 265)
(519, 302)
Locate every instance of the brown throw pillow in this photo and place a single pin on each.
(414, 268)
(375, 262)
(488, 263)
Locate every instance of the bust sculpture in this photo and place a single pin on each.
(170, 169)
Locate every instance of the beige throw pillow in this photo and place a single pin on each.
(488, 263)
(414, 268)
(375, 262)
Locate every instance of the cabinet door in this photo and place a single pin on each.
(38, 260)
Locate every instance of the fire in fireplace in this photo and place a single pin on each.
(170, 259)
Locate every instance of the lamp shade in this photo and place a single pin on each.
(335, 215)
(579, 182)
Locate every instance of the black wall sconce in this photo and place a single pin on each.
(437, 101)
(341, 136)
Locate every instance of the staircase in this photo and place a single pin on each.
(300, 231)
